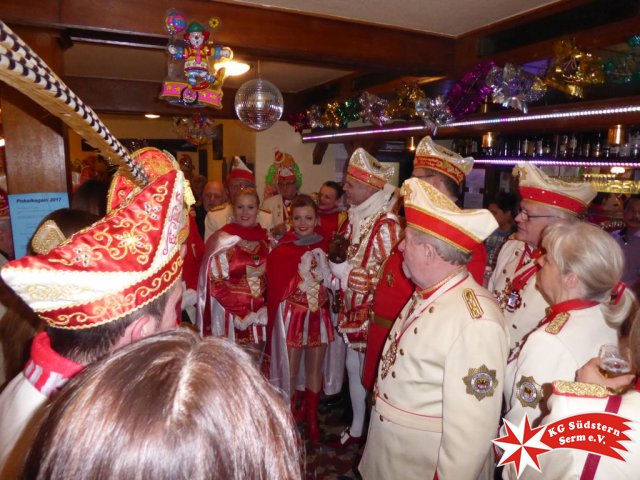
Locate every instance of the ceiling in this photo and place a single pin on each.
(441, 17)
(114, 53)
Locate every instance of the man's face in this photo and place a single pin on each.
(213, 195)
(357, 192)
(287, 187)
(503, 218)
(532, 220)
(236, 185)
(631, 215)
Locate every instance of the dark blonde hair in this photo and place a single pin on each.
(249, 191)
(303, 200)
(171, 406)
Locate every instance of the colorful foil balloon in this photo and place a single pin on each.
(514, 88)
(433, 112)
(174, 22)
(197, 129)
(331, 118)
(573, 68)
(471, 90)
(373, 109)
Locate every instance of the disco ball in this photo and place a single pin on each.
(259, 104)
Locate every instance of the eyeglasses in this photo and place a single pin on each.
(526, 216)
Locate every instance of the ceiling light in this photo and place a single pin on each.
(152, 116)
(2, 142)
(617, 170)
(232, 68)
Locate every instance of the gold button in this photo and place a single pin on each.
(415, 330)
(431, 309)
(401, 352)
(514, 327)
(381, 419)
(385, 396)
(504, 271)
(393, 374)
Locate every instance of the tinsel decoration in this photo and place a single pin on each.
(349, 110)
(373, 109)
(513, 87)
(622, 68)
(299, 121)
(331, 118)
(573, 68)
(197, 129)
(471, 90)
(433, 112)
(634, 41)
(314, 117)
(404, 105)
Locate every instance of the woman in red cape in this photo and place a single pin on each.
(232, 285)
(298, 303)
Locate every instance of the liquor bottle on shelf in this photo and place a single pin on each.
(572, 146)
(546, 146)
(563, 145)
(585, 146)
(596, 145)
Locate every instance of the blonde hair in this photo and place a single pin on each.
(596, 259)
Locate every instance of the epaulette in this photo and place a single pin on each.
(472, 303)
(219, 207)
(578, 389)
(558, 322)
(342, 218)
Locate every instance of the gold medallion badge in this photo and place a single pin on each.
(481, 382)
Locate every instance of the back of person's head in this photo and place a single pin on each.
(91, 197)
(168, 407)
(597, 260)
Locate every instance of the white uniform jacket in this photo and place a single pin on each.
(438, 392)
(554, 351)
(523, 315)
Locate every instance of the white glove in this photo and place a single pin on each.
(189, 296)
(261, 316)
(341, 272)
(246, 322)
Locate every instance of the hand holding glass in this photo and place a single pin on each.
(614, 360)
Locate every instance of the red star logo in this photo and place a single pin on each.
(522, 445)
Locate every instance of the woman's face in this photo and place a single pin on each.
(327, 198)
(304, 220)
(549, 279)
(245, 210)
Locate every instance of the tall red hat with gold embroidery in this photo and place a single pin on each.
(364, 168)
(432, 156)
(117, 265)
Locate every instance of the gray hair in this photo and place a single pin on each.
(445, 250)
(597, 260)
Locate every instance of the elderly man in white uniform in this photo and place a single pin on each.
(437, 398)
(545, 201)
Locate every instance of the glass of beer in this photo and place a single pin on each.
(614, 360)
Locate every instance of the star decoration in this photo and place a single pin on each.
(522, 445)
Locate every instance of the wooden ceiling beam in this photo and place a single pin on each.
(139, 97)
(267, 32)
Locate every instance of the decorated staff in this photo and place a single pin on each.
(438, 395)
(545, 201)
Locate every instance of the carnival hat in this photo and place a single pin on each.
(436, 157)
(154, 163)
(285, 166)
(428, 210)
(112, 268)
(366, 169)
(536, 186)
(239, 171)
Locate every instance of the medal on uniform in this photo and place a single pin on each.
(389, 357)
(514, 300)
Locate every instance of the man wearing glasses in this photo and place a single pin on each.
(545, 201)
